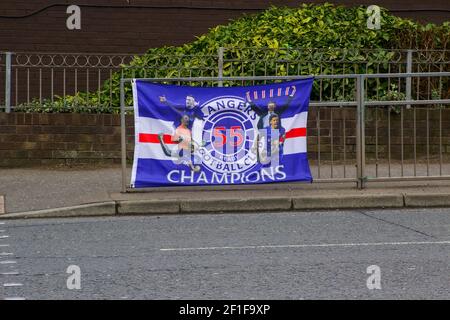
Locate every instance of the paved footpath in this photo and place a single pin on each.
(43, 188)
(96, 191)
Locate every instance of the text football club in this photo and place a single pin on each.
(228, 135)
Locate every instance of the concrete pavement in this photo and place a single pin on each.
(64, 192)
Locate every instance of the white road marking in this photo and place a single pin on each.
(4, 237)
(2, 230)
(6, 253)
(12, 284)
(13, 273)
(4, 245)
(2, 223)
(320, 245)
(8, 262)
(15, 298)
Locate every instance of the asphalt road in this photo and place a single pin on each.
(313, 255)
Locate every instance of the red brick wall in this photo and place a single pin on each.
(142, 24)
(33, 139)
(36, 139)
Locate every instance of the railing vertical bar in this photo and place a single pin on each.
(418, 84)
(8, 66)
(376, 142)
(363, 131)
(440, 81)
(76, 80)
(429, 83)
(331, 141)
(428, 141)
(16, 102)
(320, 86)
(401, 140)
(220, 64)
(332, 82)
(64, 86)
(343, 82)
(242, 72)
(389, 140)
(28, 85)
(76, 85)
(265, 70)
(389, 79)
(40, 85)
(123, 135)
(415, 140)
(440, 140)
(408, 79)
(318, 141)
(99, 85)
(110, 88)
(359, 141)
(52, 74)
(254, 72)
(377, 89)
(344, 140)
(366, 84)
(440, 121)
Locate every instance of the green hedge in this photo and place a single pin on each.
(279, 30)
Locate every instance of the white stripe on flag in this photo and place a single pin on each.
(154, 126)
(297, 121)
(147, 150)
(295, 145)
(154, 151)
(150, 125)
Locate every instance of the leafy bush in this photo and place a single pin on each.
(261, 44)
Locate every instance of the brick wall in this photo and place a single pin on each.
(41, 139)
(118, 26)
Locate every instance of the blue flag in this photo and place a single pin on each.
(220, 135)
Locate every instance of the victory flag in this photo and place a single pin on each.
(220, 135)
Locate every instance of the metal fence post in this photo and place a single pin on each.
(220, 65)
(8, 82)
(123, 141)
(408, 79)
(360, 133)
(363, 132)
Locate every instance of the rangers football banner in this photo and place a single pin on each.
(220, 135)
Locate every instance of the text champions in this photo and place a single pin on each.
(264, 175)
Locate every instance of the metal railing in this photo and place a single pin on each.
(420, 126)
(376, 115)
(37, 78)
(334, 161)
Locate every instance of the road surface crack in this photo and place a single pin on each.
(396, 224)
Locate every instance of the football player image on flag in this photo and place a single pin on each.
(220, 135)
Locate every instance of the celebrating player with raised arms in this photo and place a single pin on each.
(274, 105)
(192, 109)
(274, 136)
(185, 152)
